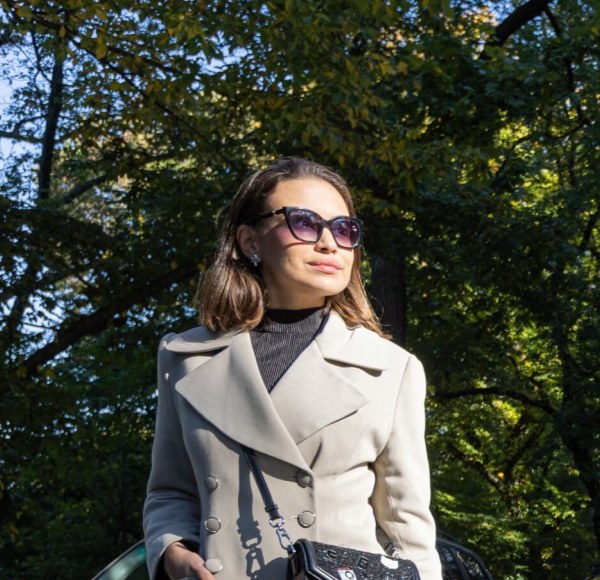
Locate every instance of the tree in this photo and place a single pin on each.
(469, 140)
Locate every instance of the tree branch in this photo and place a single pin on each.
(69, 33)
(80, 189)
(589, 229)
(98, 321)
(45, 172)
(5, 36)
(54, 108)
(512, 461)
(569, 67)
(494, 391)
(16, 136)
(519, 18)
(480, 467)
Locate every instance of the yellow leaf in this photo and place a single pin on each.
(101, 48)
(24, 12)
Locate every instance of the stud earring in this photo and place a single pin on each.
(255, 260)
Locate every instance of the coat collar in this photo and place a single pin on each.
(199, 340)
(229, 392)
(337, 343)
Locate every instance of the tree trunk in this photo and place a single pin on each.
(390, 295)
(577, 422)
(55, 101)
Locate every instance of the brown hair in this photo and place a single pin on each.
(232, 293)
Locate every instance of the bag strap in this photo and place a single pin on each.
(270, 506)
(276, 520)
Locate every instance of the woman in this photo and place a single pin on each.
(292, 363)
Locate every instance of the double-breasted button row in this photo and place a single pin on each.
(211, 482)
(306, 518)
(303, 478)
(213, 565)
(212, 525)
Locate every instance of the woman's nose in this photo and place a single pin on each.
(326, 242)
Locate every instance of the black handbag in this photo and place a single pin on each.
(310, 560)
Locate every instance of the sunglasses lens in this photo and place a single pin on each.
(305, 225)
(346, 232)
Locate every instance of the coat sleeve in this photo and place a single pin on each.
(402, 489)
(172, 506)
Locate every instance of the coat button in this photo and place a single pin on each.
(213, 565)
(213, 525)
(304, 479)
(306, 519)
(211, 483)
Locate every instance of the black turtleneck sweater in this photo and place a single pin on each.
(281, 337)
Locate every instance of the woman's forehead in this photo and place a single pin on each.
(310, 193)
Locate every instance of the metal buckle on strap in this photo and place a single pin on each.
(284, 538)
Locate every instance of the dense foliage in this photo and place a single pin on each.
(469, 131)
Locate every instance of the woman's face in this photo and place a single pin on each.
(299, 274)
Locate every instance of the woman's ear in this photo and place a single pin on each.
(246, 239)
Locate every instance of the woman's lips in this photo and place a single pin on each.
(325, 266)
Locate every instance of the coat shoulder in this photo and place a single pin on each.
(359, 346)
(393, 353)
(196, 340)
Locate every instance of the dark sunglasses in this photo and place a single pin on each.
(307, 226)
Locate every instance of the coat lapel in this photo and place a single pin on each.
(229, 392)
(314, 393)
(357, 347)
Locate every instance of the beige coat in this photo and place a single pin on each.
(340, 440)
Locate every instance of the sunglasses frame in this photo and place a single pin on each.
(287, 210)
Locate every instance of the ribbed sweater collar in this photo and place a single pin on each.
(292, 321)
